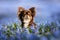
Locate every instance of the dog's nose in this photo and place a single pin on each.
(26, 17)
(26, 13)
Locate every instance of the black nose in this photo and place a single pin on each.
(26, 13)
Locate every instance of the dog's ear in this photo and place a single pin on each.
(33, 12)
(20, 9)
(20, 12)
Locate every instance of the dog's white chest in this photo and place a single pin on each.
(26, 23)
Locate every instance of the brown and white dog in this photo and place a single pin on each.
(26, 16)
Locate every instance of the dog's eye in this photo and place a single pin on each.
(29, 12)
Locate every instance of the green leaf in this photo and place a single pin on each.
(15, 26)
(47, 29)
(30, 30)
(8, 33)
(40, 30)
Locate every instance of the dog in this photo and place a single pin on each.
(26, 16)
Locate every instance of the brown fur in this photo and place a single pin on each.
(22, 13)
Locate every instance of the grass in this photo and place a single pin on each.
(15, 30)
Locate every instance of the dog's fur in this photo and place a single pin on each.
(26, 16)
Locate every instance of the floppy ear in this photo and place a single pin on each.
(20, 9)
(33, 12)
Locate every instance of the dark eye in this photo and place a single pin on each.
(22, 12)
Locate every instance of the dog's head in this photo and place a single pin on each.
(26, 15)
